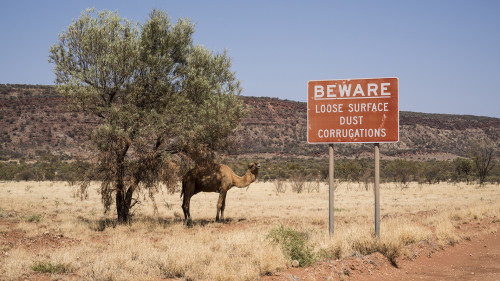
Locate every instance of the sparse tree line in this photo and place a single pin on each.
(301, 173)
(46, 168)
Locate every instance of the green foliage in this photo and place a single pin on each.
(35, 218)
(47, 167)
(294, 244)
(458, 170)
(433, 171)
(284, 168)
(482, 155)
(494, 176)
(47, 267)
(462, 169)
(399, 171)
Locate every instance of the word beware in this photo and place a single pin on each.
(336, 91)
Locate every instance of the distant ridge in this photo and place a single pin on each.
(34, 120)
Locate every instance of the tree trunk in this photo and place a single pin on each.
(123, 204)
(123, 194)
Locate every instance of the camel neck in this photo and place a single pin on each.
(243, 181)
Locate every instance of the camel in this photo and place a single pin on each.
(214, 178)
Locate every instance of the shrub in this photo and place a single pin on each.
(47, 267)
(34, 218)
(298, 183)
(313, 186)
(279, 186)
(294, 244)
(401, 172)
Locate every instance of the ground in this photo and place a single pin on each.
(477, 258)
(436, 232)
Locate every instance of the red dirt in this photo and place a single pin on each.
(475, 258)
(478, 259)
(35, 243)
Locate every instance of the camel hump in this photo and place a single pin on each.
(224, 169)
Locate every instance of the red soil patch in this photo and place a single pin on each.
(35, 243)
(478, 259)
(475, 258)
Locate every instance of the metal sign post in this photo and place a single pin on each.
(331, 188)
(376, 190)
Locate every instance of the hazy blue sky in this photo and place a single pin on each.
(445, 53)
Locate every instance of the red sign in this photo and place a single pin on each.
(353, 111)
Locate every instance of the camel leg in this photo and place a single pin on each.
(222, 208)
(185, 206)
(222, 197)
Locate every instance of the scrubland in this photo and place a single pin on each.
(45, 230)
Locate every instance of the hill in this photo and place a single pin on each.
(34, 120)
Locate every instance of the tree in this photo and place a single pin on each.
(481, 154)
(160, 99)
(400, 171)
(433, 171)
(463, 168)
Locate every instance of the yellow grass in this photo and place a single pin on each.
(159, 246)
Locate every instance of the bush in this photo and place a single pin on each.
(294, 244)
(279, 186)
(34, 218)
(47, 267)
(298, 183)
(401, 172)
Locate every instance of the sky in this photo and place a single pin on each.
(446, 54)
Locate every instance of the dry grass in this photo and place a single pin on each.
(34, 215)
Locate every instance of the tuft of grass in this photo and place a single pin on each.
(390, 249)
(333, 253)
(34, 218)
(47, 267)
(294, 244)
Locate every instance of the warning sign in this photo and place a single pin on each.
(353, 111)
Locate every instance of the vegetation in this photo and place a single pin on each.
(160, 99)
(481, 154)
(34, 218)
(47, 267)
(272, 126)
(47, 167)
(360, 171)
(294, 244)
(304, 174)
(415, 221)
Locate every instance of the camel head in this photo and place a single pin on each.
(254, 168)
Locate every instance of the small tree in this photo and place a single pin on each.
(481, 154)
(159, 99)
(463, 169)
(433, 171)
(401, 172)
